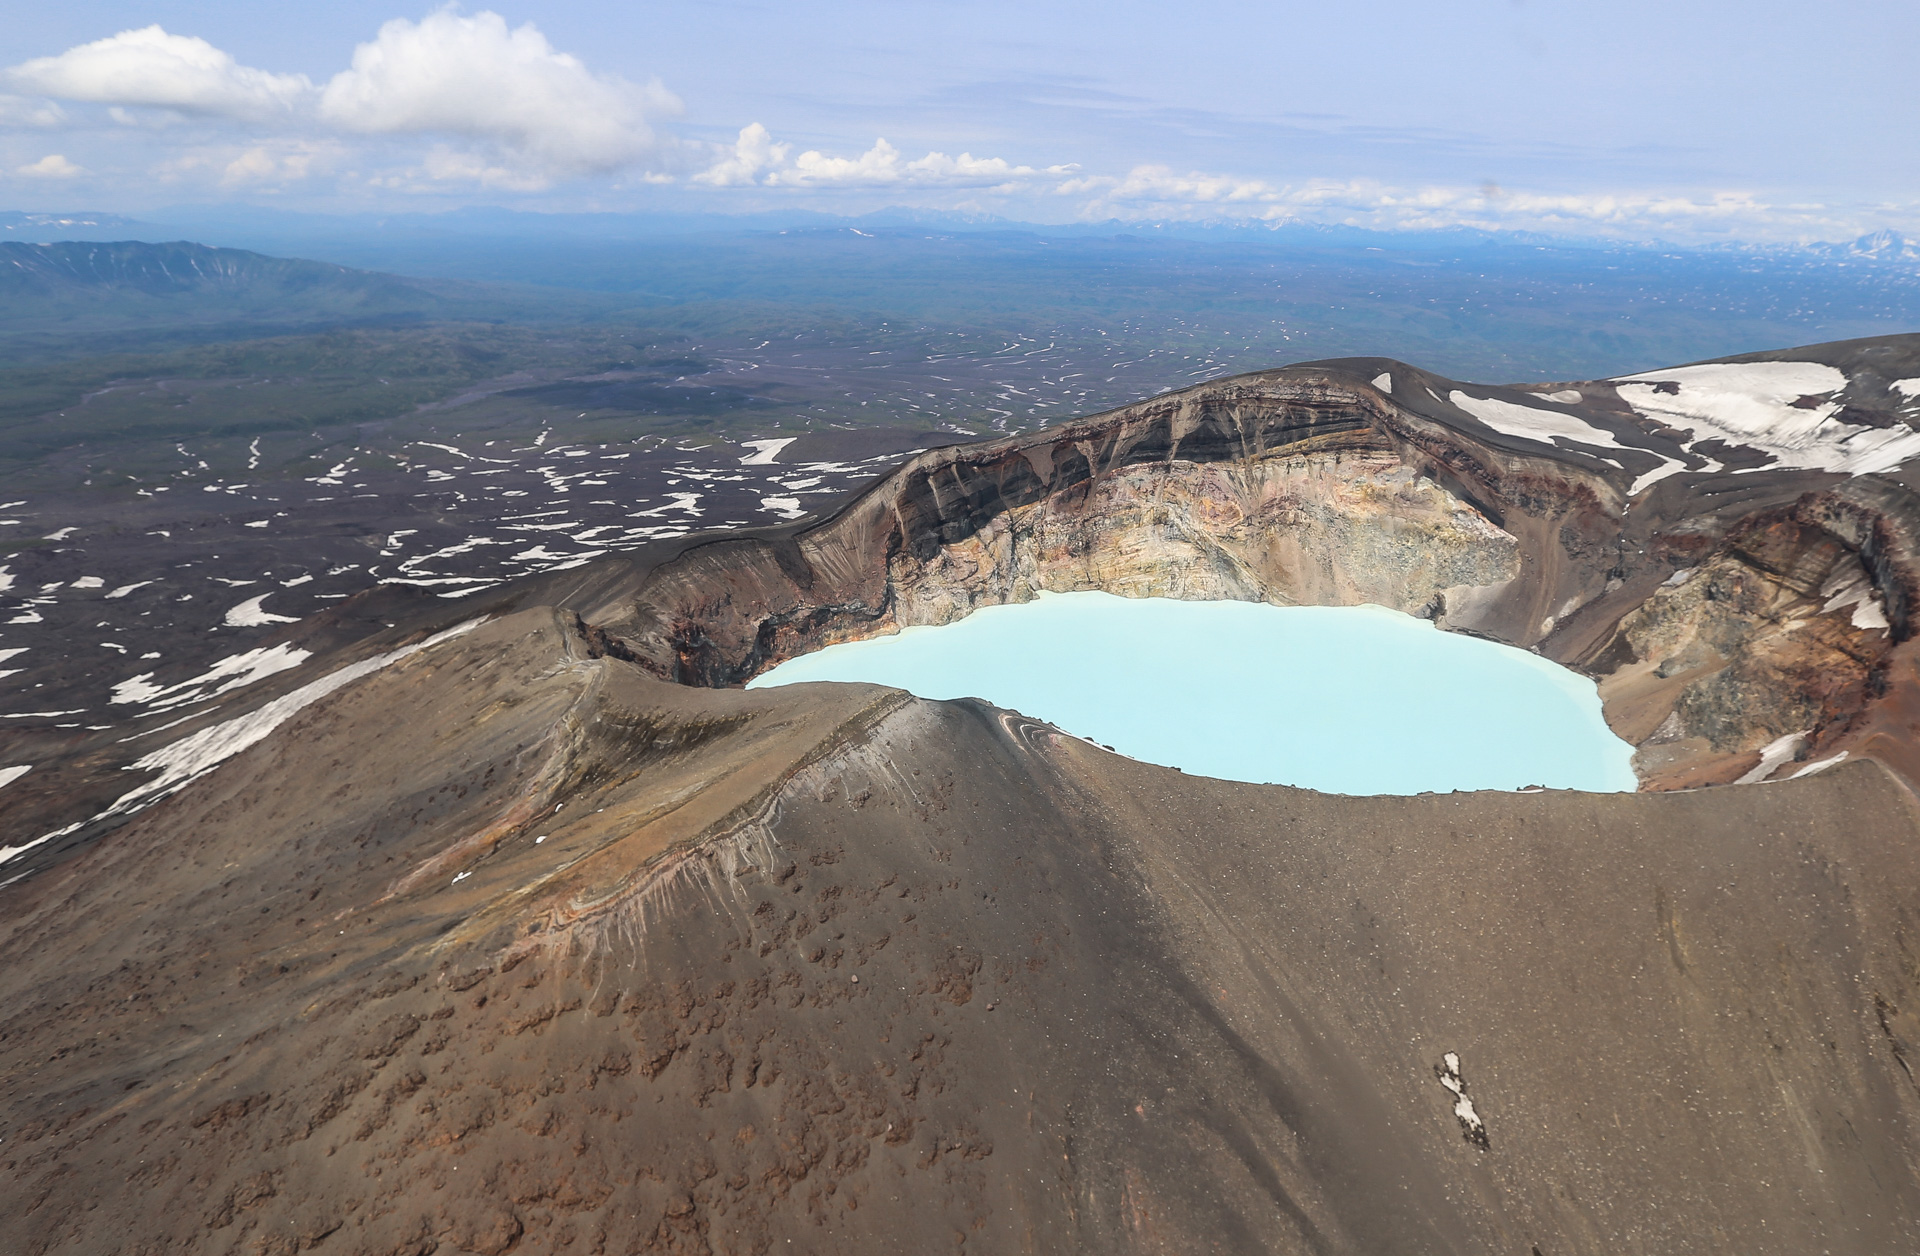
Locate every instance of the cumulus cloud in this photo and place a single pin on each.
(52, 166)
(154, 69)
(754, 153)
(755, 159)
(533, 112)
(472, 76)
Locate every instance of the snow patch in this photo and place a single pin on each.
(1854, 588)
(1666, 468)
(1383, 381)
(1818, 765)
(1531, 422)
(1472, 1127)
(249, 614)
(1780, 750)
(225, 676)
(9, 775)
(764, 451)
(680, 501)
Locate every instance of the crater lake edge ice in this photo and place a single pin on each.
(1346, 700)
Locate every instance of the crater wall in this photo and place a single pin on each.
(1737, 623)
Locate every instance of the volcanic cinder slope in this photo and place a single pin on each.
(519, 927)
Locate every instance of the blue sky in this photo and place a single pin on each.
(1704, 120)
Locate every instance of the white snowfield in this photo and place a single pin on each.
(1754, 404)
(1532, 422)
(193, 756)
(1535, 423)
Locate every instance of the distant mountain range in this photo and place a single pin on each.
(77, 297)
(1881, 246)
(89, 271)
(34, 228)
(288, 230)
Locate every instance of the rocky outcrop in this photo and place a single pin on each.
(1777, 638)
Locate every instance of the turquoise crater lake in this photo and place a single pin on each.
(1346, 700)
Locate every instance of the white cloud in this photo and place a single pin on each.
(537, 113)
(52, 166)
(753, 153)
(756, 159)
(472, 76)
(151, 68)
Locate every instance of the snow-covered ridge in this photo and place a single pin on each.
(1785, 409)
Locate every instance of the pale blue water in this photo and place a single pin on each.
(1346, 700)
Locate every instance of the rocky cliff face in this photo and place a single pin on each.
(1776, 639)
(1326, 530)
